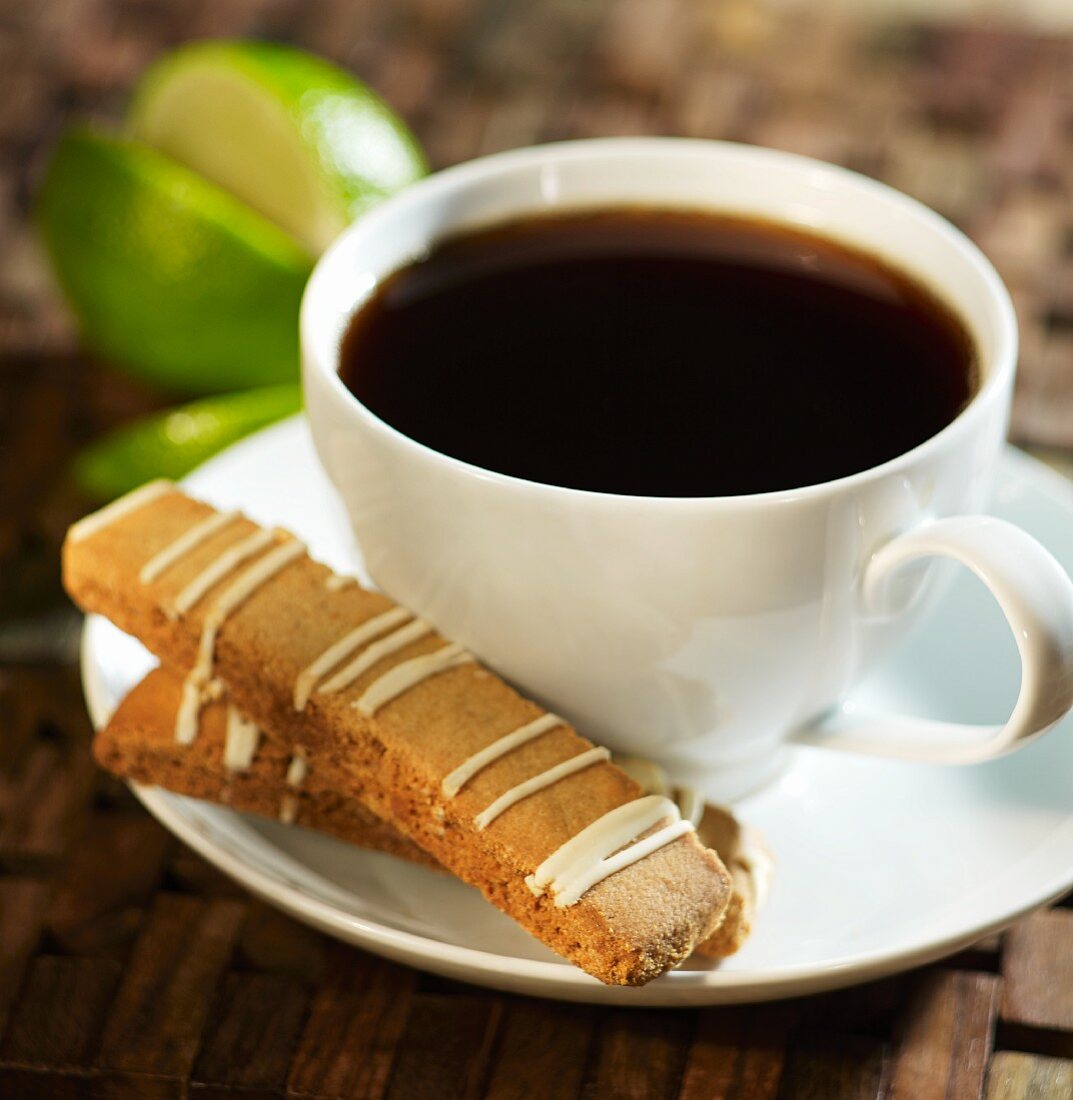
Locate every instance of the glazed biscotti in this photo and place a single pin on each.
(234, 763)
(506, 796)
(740, 847)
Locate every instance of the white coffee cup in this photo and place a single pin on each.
(705, 632)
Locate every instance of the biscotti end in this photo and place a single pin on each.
(749, 862)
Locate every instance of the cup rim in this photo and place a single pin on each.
(1001, 366)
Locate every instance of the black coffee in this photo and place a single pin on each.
(662, 353)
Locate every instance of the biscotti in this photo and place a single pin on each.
(550, 831)
(235, 764)
(741, 848)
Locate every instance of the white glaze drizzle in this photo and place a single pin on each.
(214, 689)
(124, 506)
(586, 859)
(240, 745)
(336, 581)
(296, 773)
(186, 719)
(375, 653)
(408, 674)
(236, 593)
(465, 771)
(598, 850)
(217, 569)
(180, 547)
(340, 650)
(229, 600)
(197, 690)
(569, 891)
(538, 783)
(298, 767)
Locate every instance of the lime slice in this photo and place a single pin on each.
(172, 443)
(168, 274)
(296, 138)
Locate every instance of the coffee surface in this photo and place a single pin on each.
(660, 353)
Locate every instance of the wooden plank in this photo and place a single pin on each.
(541, 1050)
(156, 1020)
(1037, 966)
(869, 1009)
(42, 437)
(20, 710)
(250, 1035)
(139, 1088)
(22, 913)
(984, 955)
(355, 1021)
(1015, 1076)
(27, 1084)
(272, 942)
(52, 796)
(824, 1066)
(638, 1054)
(944, 1037)
(444, 1051)
(739, 1052)
(188, 872)
(56, 1024)
(107, 882)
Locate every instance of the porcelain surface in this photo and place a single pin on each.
(880, 865)
(702, 630)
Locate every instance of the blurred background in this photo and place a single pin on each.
(965, 104)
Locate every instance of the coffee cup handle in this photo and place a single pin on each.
(1036, 597)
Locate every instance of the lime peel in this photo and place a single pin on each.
(168, 274)
(172, 443)
(292, 135)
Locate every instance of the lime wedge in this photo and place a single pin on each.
(296, 138)
(171, 444)
(168, 273)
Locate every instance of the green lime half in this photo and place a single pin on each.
(173, 443)
(296, 138)
(168, 273)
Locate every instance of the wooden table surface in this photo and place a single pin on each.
(128, 967)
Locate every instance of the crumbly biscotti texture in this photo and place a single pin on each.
(139, 743)
(626, 930)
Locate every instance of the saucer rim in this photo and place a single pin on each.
(554, 979)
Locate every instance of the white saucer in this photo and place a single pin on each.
(880, 866)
